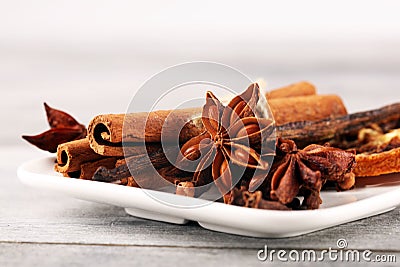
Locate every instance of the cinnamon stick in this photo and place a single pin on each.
(306, 108)
(296, 89)
(106, 131)
(71, 155)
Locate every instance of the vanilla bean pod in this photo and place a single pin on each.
(340, 131)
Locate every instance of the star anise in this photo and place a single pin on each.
(306, 171)
(64, 128)
(230, 145)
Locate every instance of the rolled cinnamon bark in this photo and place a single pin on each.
(296, 89)
(306, 108)
(71, 155)
(105, 132)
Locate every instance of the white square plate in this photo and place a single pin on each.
(371, 196)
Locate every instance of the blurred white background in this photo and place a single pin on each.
(89, 57)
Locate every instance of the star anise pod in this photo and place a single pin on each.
(231, 143)
(64, 128)
(306, 171)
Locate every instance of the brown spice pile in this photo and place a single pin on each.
(230, 147)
